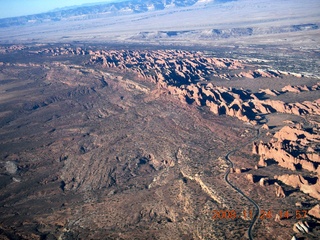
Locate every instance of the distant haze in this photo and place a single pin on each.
(14, 8)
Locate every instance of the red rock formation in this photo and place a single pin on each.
(180, 70)
(295, 89)
(279, 191)
(263, 182)
(250, 177)
(316, 87)
(165, 64)
(315, 212)
(269, 92)
(290, 88)
(302, 227)
(298, 181)
(291, 147)
(255, 148)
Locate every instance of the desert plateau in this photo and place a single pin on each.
(161, 119)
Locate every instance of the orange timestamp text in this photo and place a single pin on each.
(264, 214)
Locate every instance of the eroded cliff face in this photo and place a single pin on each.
(315, 212)
(186, 74)
(292, 147)
(295, 148)
(178, 67)
(240, 103)
(307, 185)
(172, 67)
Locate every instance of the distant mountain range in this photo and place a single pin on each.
(113, 8)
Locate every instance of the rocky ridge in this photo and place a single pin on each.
(172, 67)
(185, 74)
(177, 67)
(188, 76)
(240, 103)
(295, 148)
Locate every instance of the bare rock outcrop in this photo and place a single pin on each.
(176, 67)
(263, 182)
(315, 212)
(301, 227)
(184, 74)
(250, 177)
(255, 148)
(290, 88)
(308, 186)
(292, 147)
(269, 92)
(279, 191)
(240, 103)
(220, 100)
(259, 73)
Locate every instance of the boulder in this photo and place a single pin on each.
(11, 167)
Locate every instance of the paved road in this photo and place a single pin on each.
(230, 164)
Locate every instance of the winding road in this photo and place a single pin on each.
(230, 164)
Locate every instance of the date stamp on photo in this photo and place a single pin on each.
(264, 214)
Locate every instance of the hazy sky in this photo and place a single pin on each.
(13, 8)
